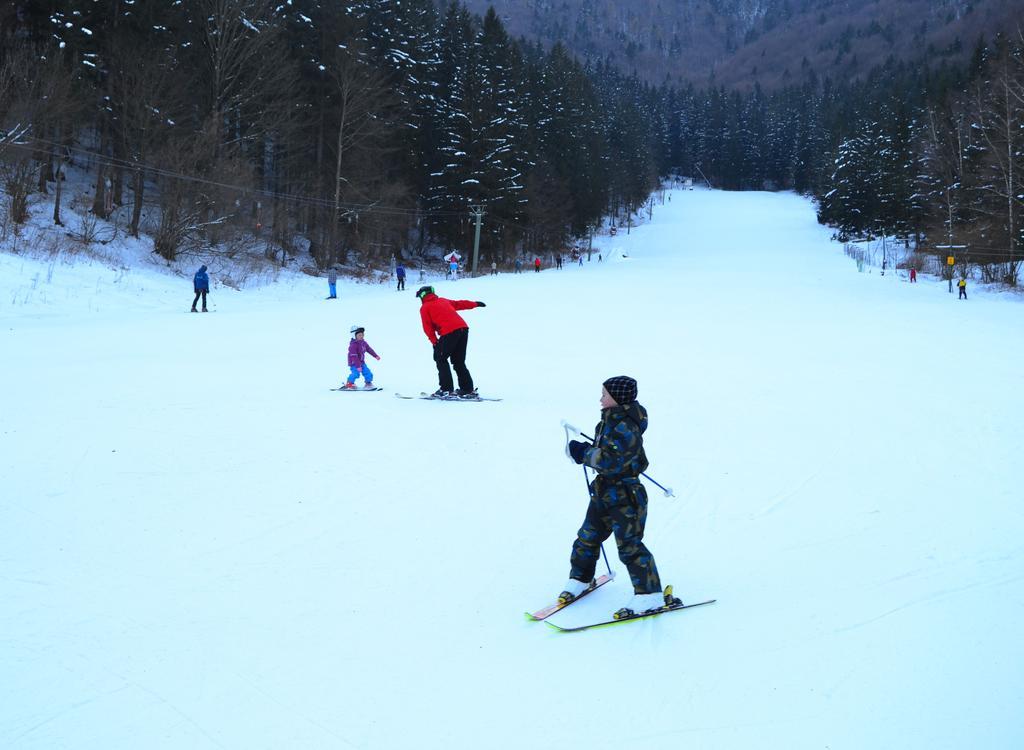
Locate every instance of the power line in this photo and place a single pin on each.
(354, 208)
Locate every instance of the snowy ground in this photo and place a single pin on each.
(204, 547)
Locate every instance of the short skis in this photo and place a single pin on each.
(629, 618)
(365, 390)
(543, 614)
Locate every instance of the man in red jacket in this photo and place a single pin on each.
(449, 335)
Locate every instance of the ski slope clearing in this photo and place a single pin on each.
(204, 547)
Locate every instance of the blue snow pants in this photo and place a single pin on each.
(355, 371)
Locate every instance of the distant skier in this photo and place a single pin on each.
(962, 285)
(618, 501)
(357, 351)
(201, 285)
(494, 268)
(536, 264)
(519, 265)
(332, 283)
(448, 333)
(913, 275)
(400, 275)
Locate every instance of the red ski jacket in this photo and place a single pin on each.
(439, 316)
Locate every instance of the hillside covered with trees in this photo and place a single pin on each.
(373, 128)
(742, 43)
(383, 128)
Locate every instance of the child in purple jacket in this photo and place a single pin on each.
(357, 351)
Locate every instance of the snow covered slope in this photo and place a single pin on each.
(204, 547)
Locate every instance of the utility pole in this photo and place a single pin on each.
(951, 259)
(703, 175)
(949, 235)
(478, 212)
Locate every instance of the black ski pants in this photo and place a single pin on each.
(200, 293)
(452, 346)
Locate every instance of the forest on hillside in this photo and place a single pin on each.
(369, 130)
(743, 43)
(384, 129)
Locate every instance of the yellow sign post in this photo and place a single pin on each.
(949, 260)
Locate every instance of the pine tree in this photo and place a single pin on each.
(850, 204)
(454, 176)
(498, 139)
(572, 140)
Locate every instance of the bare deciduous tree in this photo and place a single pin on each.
(240, 66)
(36, 100)
(150, 100)
(182, 204)
(363, 107)
(999, 113)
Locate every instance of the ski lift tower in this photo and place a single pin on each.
(478, 213)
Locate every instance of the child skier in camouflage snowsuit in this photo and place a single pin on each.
(618, 501)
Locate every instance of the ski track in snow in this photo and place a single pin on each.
(929, 598)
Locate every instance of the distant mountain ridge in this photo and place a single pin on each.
(736, 43)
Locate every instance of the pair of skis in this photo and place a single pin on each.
(546, 612)
(425, 396)
(430, 397)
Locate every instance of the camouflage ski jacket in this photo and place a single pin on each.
(618, 449)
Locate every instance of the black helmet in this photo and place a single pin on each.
(423, 291)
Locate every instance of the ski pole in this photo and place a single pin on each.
(569, 428)
(604, 555)
(586, 480)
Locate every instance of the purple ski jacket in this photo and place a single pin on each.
(357, 352)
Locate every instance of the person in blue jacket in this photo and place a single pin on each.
(201, 284)
(400, 273)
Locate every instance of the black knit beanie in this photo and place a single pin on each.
(621, 388)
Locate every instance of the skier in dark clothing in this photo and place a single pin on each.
(400, 274)
(201, 285)
(618, 501)
(449, 335)
(332, 283)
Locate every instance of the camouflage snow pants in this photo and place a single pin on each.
(618, 508)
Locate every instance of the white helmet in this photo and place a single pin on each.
(356, 329)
